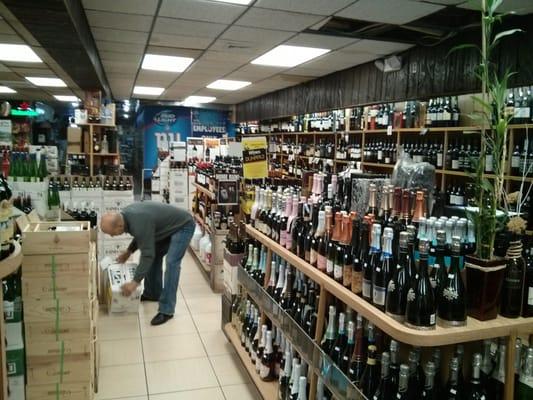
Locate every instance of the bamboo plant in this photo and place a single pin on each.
(493, 119)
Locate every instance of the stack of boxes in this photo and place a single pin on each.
(59, 297)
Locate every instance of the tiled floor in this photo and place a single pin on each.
(187, 358)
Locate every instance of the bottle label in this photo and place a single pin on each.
(329, 266)
(321, 263)
(515, 161)
(488, 163)
(432, 319)
(367, 288)
(337, 272)
(282, 238)
(357, 282)
(455, 164)
(347, 276)
(378, 295)
(313, 259)
(264, 371)
(439, 159)
(530, 296)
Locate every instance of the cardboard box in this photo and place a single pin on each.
(42, 266)
(67, 330)
(13, 335)
(112, 248)
(15, 388)
(13, 310)
(62, 391)
(65, 238)
(73, 368)
(62, 286)
(60, 310)
(43, 351)
(74, 140)
(117, 275)
(15, 362)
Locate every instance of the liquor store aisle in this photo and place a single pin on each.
(186, 358)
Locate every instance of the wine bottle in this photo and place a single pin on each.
(403, 384)
(416, 383)
(344, 363)
(338, 266)
(271, 287)
(420, 310)
(452, 301)
(340, 341)
(370, 378)
(384, 390)
(496, 383)
(347, 262)
(284, 377)
(359, 259)
(373, 262)
(323, 242)
(372, 201)
(357, 362)
(512, 288)
(329, 337)
(302, 389)
(295, 381)
(429, 391)
(527, 306)
(381, 274)
(297, 209)
(260, 348)
(525, 383)
(475, 390)
(245, 318)
(320, 231)
(267, 369)
(453, 391)
(332, 245)
(487, 365)
(394, 369)
(287, 297)
(284, 220)
(280, 282)
(439, 272)
(396, 300)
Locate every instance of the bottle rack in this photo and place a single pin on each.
(396, 135)
(7, 267)
(474, 330)
(96, 158)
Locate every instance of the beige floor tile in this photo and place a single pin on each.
(193, 291)
(178, 325)
(209, 304)
(229, 369)
(120, 352)
(148, 309)
(118, 326)
(96, 397)
(122, 381)
(216, 343)
(241, 392)
(207, 322)
(180, 375)
(199, 394)
(166, 348)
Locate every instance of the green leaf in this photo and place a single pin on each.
(487, 185)
(492, 6)
(483, 103)
(462, 47)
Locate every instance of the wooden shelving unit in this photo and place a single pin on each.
(202, 189)
(474, 330)
(268, 390)
(7, 267)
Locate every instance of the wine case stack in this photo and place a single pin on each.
(60, 311)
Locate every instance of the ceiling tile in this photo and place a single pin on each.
(196, 80)
(6, 29)
(242, 33)
(171, 51)
(129, 22)
(145, 7)
(222, 56)
(155, 78)
(201, 10)
(263, 18)
(319, 7)
(116, 35)
(114, 56)
(396, 12)
(10, 76)
(4, 68)
(521, 7)
(121, 78)
(253, 72)
(171, 26)
(320, 41)
(191, 42)
(12, 39)
(242, 48)
(33, 71)
(216, 65)
(376, 47)
(132, 48)
(338, 60)
(306, 71)
(119, 66)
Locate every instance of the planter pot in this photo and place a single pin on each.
(484, 284)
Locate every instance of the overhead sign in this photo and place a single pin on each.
(254, 157)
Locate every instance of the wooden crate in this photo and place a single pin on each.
(43, 265)
(74, 368)
(37, 351)
(67, 330)
(62, 310)
(65, 391)
(63, 286)
(66, 238)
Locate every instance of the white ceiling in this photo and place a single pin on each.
(223, 38)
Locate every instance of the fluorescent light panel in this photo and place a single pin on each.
(5, 89)
(198, 100)
(49, 82)
(148, 90)
(289, 56)
(226, 84)
(157, 62)
(18, 53)
(243, 2)
(66, 98)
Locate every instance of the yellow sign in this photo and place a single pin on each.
(254, 157)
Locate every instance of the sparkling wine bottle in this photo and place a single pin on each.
(370, 378)
(267, 368)
(373, 262)
(340, 342)
(384, 390)
(453, 391)
(475, 390)
(429, 391)
(381, 273)
(512, 288)
(403, 385)
(525, 382)
(396, 300)
(329, 337)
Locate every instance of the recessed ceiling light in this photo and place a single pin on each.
(198, 100)
(148, 90)
(66, 98)
(226, 84)
(157, 62)
(5, 89)
(243, 2)
(50, 82)
(18, 53)
(289, 56)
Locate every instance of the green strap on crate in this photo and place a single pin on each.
(54, 268)
(61, 360)
(57, 319)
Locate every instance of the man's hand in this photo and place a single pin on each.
(128, 288)
(122, 258)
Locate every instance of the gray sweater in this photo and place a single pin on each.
(150, 222)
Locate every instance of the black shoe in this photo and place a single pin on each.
(160, 319)
(146, 298)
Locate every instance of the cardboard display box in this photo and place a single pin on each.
(62, 285)
(15, 388)
(72, 369)
(64, 391)
(56, 238)
(39, 352)
(117, 275)
(42, 266)
(56, 310)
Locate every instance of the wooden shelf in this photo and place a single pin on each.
(379, 165)
(200, 220)
(474, 330)
(106, 154)
(202, 189)
(11, 263)
(206, 268)
(102, 125)
(268, 390)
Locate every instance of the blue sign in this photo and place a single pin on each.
(213, 123)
